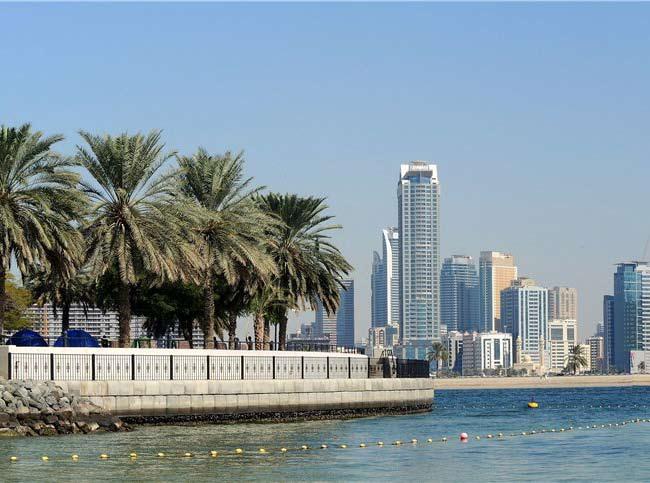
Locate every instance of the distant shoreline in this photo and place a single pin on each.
(537, 383)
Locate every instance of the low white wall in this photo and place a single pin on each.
(170, 398)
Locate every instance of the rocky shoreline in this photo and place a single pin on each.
(41, 408)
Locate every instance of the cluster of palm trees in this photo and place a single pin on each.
(183, 239)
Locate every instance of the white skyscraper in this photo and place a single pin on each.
(418, 196)
(385, 280)
(562, 337)
(339, 326)
(524, 314)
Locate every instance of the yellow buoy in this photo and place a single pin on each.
(429, 440)
(323, 446)
(188, 455)
(343, 446)
(13, 458)
(161, 455)
(75, 457)
(397, 443)
(444, 440)
(533, 405)
(45, 458)
(304, 446)
(283, 450)
(362, 445)
(489, 436)
(414, 441)
(133, 455)
(239, 451)
(380, 443)
(214, 454)
(262, 450)
(103, 456)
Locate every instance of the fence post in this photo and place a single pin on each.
(9, 364)
(242, 368)
(328, 367)
(92, 366)
(133, 367)
(273, 367)
(171, 367)
(349, 367)
(207, 367)
(52, 366)
(368, 360)
(302, 364)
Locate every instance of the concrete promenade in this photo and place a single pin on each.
(176, 398)
(536, 382)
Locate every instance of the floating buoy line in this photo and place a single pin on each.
(413, 442)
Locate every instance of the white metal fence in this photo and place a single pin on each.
(78, 364)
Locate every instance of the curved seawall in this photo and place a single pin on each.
(235, 400)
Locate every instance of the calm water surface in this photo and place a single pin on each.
(611, 454)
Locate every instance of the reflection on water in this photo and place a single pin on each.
(602, 454)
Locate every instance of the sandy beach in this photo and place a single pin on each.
(536, 382)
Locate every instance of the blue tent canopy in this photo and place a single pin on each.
(27, 338)
(76, 338)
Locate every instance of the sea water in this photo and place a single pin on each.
(616, 453)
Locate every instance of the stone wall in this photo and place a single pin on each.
(222, 398)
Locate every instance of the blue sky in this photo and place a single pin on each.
(536, 114)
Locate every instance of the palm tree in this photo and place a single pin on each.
(576, 359)
(263, 305)
(309, 266)
(231, 228)
(39, 201)
(61, 289)
(137, 223)
(438, 352)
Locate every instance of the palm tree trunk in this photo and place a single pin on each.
(258, 328)
(282, 343)
(124, 314)
(65, 317)
(3, 299)
(207, 324)
(232, 331)
(267, 335)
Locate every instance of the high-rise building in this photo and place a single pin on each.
(631, 311)
(378, 305)
(563, 303)
(453, 342)
(608, 323)
(459, 305)
(597, 353)
(496, 272)
(385, 280)
(99, 324)
(339, 327)
(487, 351)
(524, 314)
(418, 196)
(562, 337)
